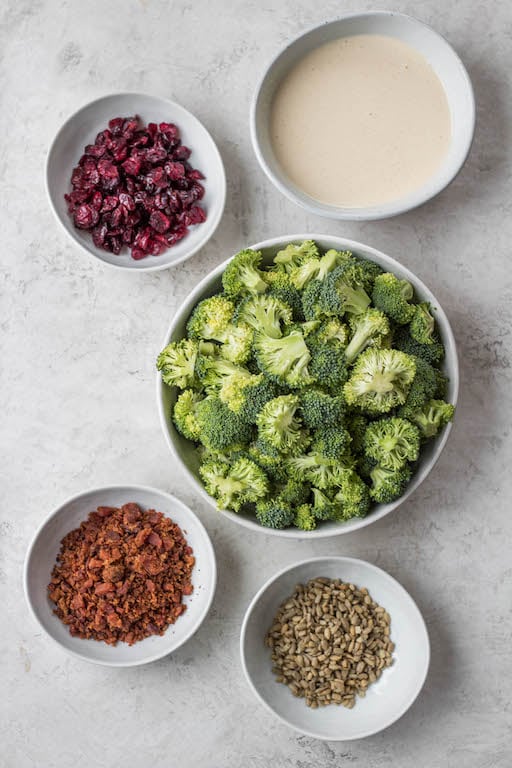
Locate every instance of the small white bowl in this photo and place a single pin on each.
(386, 700)
(81, 129)
(41, 558)
(443, 60)
(183, 449)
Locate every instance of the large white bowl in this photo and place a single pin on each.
(441, 57)
(41, 557)
(386, 700)
(81, 129)
(183, 449)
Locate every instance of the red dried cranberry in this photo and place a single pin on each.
(195, 174)
(132, 165)
(159, 221)
(181, 153)
(116, 126)
(174, 170)
(127, 201)
(109, 203)
(86, 217)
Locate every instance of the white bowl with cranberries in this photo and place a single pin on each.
(136, 181)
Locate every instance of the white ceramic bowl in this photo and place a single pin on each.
(184, 451)
(45, 546)
(441, 57)
(81, 129)
(386, 700)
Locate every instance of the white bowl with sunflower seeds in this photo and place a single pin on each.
(386, 699)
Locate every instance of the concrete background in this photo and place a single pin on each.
(78, 344)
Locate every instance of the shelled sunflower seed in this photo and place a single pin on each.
(330, 641)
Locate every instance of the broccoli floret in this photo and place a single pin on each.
(432, 417)
(247, 396)
(392, 296)
(214, 372)
(367, 272)
(368, 330)
(352, 498)
(296, 254)
(283, 289)
(423, 388)
(207, 348)
(304, 518)
(314, 269)
(343, 293)
(219, 427)
(329, 366)
(284, 360)
(389, 484)
(184, 414)
(422, 325)
(432, 353)
(177, 363)
(279, 425)
(380, 380)
(365, 466)
(212, 319)
(441, 386)
(264, 313)
(323, 508)
(270, 459)
(313, 306)
(243, 276)
(234, 485)
(275, 513)
(392, 442)
(356, 424)
(332, 329)
(316, 469)
(332, 442)
(294, 492)
(320, 409)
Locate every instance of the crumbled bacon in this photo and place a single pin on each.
(121, 575)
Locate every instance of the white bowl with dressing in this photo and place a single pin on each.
(406, 33)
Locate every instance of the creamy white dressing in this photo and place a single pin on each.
(360, 121)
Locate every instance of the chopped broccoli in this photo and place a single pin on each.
(315, 469)
(184, 414)
(332, 329)
(332, 442)
(365, 466)
(392, 442)
(284, 360)
(432, 353)
(279, 425)
(219, 427)
(432, 417)
(323, 508)
(342, 292)
(213, 372)
(243, 276)
(356, 424)
(304, 518)
(264, 313)
(294, 255)
(313, 306)
(392, 296)
(329, 366)
(367, 272)
(422, 325)
(380, 380)
(424, 387)
(294, 492)
(177, 363)
(314, 269)
(275, 513)
(320, 409)
(368, 330)
(232, 486)
(389, 484)
(212, 319)
(247, 395)
(270, 459)
(282, 288)
(353, 496)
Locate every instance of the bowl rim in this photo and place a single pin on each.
(380, 510)
(132, 487)
(214, 223)
(384, 210)
(406, 596)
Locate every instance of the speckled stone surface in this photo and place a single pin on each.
(78, 343)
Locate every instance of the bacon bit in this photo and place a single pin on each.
(90, 568)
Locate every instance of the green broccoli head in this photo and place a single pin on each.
(284, 360)
(432, 353)
(294, 492)
(282, 288)
(368, 330)
(265, 313)
(432, 417)
(367, 271)
(210, 318)
(177, 363)
(332, 442)
(380, 380)
(392, 296)
(280, 426)
(312, 303)
(322, 507)
(389, 484)
(275, 513)
(219, 427)
(316, 469)
(233, 485)
(296, 254)
(304, 518)
(270, 459)
(356, 424)
(329, 366)
(314, 269)
(332, 329)
(243, 276)
(422, 325)
(320, 409)
(214, 372)
(342, 292)
(247, 395)
(392, 442)
(184, 414)
(353, 497)
(424, 387)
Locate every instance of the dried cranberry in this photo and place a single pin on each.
(132, 165)
(181, 153)
(159, 221)
(174, 170)
(116, 126)
(86, 217)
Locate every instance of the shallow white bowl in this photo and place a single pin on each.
(41, 557)
(386, 700)
(441, 57)
(81, 129)
(183, 449)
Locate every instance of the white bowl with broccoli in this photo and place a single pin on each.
(307, 385)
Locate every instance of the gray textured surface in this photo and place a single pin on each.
(77, 349)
